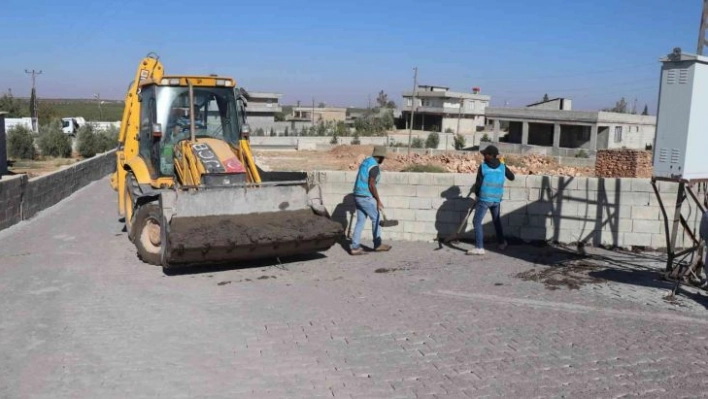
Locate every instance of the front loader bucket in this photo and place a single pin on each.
(220, 225)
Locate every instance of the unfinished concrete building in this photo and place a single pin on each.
(553, 128)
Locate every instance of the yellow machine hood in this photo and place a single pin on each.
(216, 156)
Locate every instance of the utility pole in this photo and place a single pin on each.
(33, 98)
(410, 128)
(97, 96)
(459, 115)
(702, 40)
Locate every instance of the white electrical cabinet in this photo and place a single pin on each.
(681, 143)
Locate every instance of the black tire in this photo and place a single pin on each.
(148, 223)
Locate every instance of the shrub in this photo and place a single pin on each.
(355, 140)
(20, 143)
(582, 154)
(106, 140)
(88, 143)
(460, 142)
(485, 138)
(426, 168)
(334, 139)
(449, 130)
(417, 142)
(55, 144)
(433, 140)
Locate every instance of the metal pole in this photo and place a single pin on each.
(97, 96)
(702, 29)
(191, 111)
(410, 128)
(459, 115)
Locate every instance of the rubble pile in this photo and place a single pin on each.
(623, 163)
(465, 163)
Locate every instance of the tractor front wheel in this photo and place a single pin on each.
(148, 234)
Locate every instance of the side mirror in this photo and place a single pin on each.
(245, 131)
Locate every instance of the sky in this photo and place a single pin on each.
(342, 54)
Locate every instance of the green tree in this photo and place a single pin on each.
(53, 142)
(12, 106)
(272, 132)
(433, 140)
(20, 143)
(387, 120)
(545, 97)
(286, 133)
(303, 131)
(279, 117)
(459, 142)
(417, 142)
(356, 140)
(621, 107)
(382, 99)
(321, 129)
(340, 129)
(321, 105)
(646, 110)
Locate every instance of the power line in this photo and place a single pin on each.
(547, 77)
(575, 89)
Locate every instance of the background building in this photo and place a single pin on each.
(553, 125)
(317, 115)
(439, 109)
(261, 110)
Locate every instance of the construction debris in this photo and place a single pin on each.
(623, 163)
(468, 163)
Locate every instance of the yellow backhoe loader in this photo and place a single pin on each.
(188, 187)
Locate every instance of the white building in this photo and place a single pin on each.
(438, 109)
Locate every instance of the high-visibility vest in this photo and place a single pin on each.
(361, 186)
(492, 188)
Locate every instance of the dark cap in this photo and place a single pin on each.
(490, 150)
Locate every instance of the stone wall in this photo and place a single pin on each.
(596, 211)
(623, 163)
(22, 198)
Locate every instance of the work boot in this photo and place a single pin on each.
(476, 251)
(382, 248)
(358, 251)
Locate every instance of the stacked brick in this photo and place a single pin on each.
(623, 163)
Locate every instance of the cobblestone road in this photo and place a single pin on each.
(81, 317)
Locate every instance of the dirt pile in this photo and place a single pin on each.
(623, 163)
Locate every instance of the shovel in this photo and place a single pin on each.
(386, 222)
(456, 236)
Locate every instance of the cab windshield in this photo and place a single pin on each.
(215, 114)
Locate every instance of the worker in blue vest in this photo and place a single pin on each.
(367, 200)
(489, 189)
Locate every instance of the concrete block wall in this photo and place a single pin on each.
(22, 198)
(610, 212)
(11, 189)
